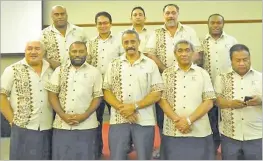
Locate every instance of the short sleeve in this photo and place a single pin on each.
(53, 85)
(7, 81)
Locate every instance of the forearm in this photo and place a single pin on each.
(167, 109)
(223, 103)
(111, 99)
(148, 100)
(201, 110)
(54, 101)
(93, 106)
(6, 108)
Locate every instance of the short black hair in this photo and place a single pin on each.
(131, 32)
(78, 42)
(216, 14)
(105, 14)
(238, 47)
(177, 7)
(140, 8)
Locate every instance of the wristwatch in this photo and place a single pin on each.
(188, 121)
(136, 106)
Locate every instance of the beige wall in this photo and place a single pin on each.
(83, 12)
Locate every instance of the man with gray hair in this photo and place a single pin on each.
(24, 104)
(132, 84)
(187, 132)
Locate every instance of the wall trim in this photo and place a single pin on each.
(183, 22)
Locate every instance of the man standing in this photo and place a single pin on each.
(138, 19)
(24, 103)
(187, 132)
(216, 60)
(161, 44)
(132, 85)
(239, 94)
(75, 93)
(103, 49)
(59, 36)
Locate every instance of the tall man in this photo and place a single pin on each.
(132, 85)
(216, 60)
(59, 36)
(24, 103)
(241, 125)
(103, 49)
(75, 93)
(187, 132)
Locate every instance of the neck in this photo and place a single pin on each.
(184, 67)
(62, 29)
(138, 28)
(216, 36)
(133, 57)
(104, 36)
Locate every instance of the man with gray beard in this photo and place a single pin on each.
(161, 44)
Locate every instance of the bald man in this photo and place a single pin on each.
(59, 36)
(24, 103)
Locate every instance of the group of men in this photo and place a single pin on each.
(189, 87)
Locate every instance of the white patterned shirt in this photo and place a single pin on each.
(185, 91)
(216, 54)
(244, 123)
(131, 83)
(27, 96)
(57, 46)
(162, 44)
(76, 89)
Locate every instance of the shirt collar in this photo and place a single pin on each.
(250, 71)
(209, 36)
(141, 58)
(45, 64)
(143, 29)
(192, 67)
(69, 28)
(85, 64)
(179, 27)
(109, 37)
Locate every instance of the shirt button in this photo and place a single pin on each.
(66, 49)
(241, 88)
(242, 97)
(40, 90)
(184, 86)
(102, 57)
(216, 61)
(184, 107)
(75, 81)
(72, 99)
(41, 101)
(184, 96)
(130, 75)
(129, 95)
(242, 118)
(129, 84)
(184, 76)
(102, 49)
(73, 89)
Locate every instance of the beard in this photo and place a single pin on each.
(171, 23)
(78, 61)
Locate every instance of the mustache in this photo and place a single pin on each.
(130, 49)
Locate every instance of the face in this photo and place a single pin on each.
(170, 16)
(130, 43)
(241, 62)
(215, 25)
(103, 25)
(184, 54)
(77, 54)
(138, 17)
(34, 53)
(59, 17)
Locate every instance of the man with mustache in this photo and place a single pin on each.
(216, 58)
(24, 104)
(132, 85)
(239, 97)
(187, 98)
(58, 37)
(75, 91)
(103, 49)
(161, 44)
